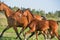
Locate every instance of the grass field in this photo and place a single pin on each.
(10, 34)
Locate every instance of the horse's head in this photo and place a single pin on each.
(26, 12)
(2, 6)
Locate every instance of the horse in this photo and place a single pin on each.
(52, 28)
(10, 20)
(52, 25)
(36, 26)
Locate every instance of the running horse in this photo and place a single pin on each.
(36, 26)
(53, 26)
(50, 27)
(10, 20)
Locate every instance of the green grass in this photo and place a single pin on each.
(10, 34)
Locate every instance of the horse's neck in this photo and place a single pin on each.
(29, 16)
(8, 11)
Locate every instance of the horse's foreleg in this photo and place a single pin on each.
(36, 35)
(56, 34)
(44, 34)
(15, 29)
(5, 30)
(30, 31)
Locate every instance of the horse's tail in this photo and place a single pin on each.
(58, 37)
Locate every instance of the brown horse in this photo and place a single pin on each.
(10, 20)
(53, 29)
(36, 26)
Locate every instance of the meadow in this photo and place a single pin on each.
(10, 34)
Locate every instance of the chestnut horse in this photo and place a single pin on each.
(37, 25)
(51, 26)
(10, 20)
(53, 30)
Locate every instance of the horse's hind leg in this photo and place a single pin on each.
(5, 30)
(56, 33)
(53, 34)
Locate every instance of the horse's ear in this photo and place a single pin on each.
(0, 2)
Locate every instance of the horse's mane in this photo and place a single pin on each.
(44, 18)
(29, 11)
(19, 10)
(4, 4)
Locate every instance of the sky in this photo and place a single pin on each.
(46, 5)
